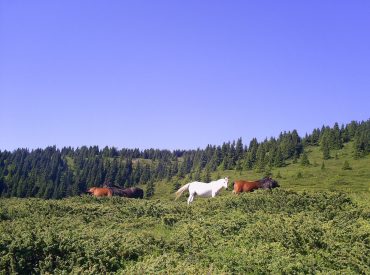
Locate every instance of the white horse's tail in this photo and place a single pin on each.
(181, 190)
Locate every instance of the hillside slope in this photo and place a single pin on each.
(355, 182)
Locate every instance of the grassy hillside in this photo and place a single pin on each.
(274, 232)
(355, 182)
(317, 222)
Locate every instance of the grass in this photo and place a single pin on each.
(318, 222)
(354, 182)
(278, 232)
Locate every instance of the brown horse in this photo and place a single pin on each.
(249, 186)
(100, 192)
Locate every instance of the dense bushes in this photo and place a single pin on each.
(277, 232)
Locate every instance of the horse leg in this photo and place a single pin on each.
(190, 199)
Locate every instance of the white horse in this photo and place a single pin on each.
(202, 189)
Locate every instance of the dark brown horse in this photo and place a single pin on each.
(132, 192)
(100, 192)
(249, 186)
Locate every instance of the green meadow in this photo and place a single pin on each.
(313, 177)
(318, 221)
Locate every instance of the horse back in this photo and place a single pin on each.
(103, 192)
(245, 186)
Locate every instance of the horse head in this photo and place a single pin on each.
(269, 183)
(91, 190)
(225, 182)
(274, 184)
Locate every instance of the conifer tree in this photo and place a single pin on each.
(336, 138)
(346, 165)
(196, 175)
(206, 176)
(261, 153)
(239, 149)
(325, 148)
(279, 158)
(149, 189)
(361, 141)
(239, 166)
(176, 184)
(267, 171)
(253, 147)
(304, 159)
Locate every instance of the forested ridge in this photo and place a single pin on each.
(57, 173)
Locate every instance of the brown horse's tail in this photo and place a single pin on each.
(181, 190)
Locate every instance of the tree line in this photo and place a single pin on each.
(57, 173)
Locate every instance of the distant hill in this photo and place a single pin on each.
(295, 161)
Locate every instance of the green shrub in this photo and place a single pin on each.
(265, 231)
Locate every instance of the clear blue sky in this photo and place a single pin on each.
(178, 74)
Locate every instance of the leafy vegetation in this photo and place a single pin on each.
(261, 232)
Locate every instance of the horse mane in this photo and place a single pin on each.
(265, 179)
(116, 186)
(109, 185)
(218, 180)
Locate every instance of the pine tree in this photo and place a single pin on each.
(346, 166)
(206, 176)
(225, 163)
(325, 147)
(239, 166)
(145, 175)
(149, 189)
(295, 159)
(112, 170)
(304, 160)
(279, 158)
(239, 149)
(2, 185)
(267, 172)
(196, 175)
(253, 147)
(299, 175)
(336, 137)
(315, 137)
(361, 143)
(176, 184)
(231, 157)
(261, 153)
(344, 134)
(248, 164)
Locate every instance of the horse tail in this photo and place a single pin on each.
(181, 190)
